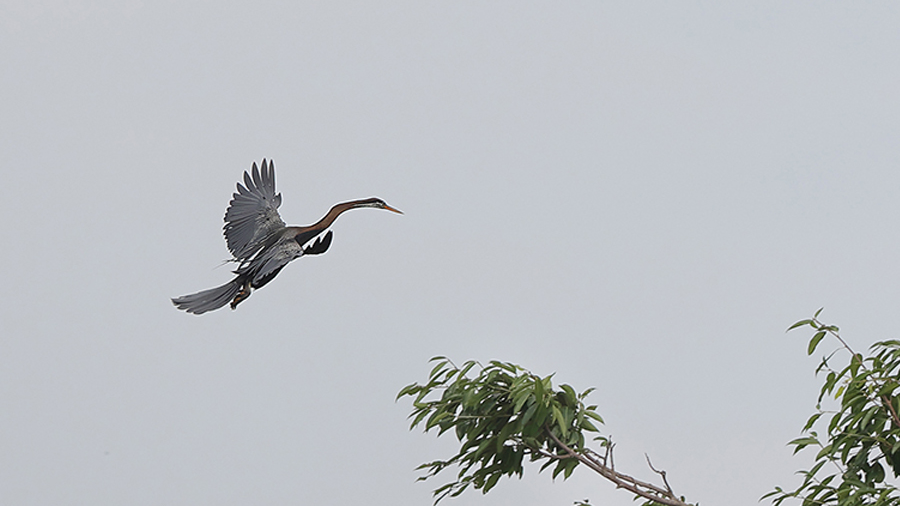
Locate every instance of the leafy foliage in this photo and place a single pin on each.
(501, 415)
(861, 440)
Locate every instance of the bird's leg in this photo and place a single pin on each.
(243, 294)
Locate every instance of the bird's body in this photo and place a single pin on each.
(261, 243)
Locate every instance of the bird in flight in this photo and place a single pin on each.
(261, 243)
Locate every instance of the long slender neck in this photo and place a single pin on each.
(333, 213)
(310, 231)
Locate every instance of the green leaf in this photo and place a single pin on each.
(529, 413)
(799, 324)
(815, 468)
(812, 420)
(571, 397)
(868, 417)
(407, 390)
(875, 474)
(491, 481)
(418, 419)
(540, 415)
(594, 415)
(548, 382)
(546, 464)
(467, 367)
(437, 369)
(520, 400)
(560, 421)
(570, 466)
(560, 466)
(435, 418)
(815, 342)
(805, 441)
(504, 435)
(538, 390)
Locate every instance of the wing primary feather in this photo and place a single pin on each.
(256, 178)
(252, 216)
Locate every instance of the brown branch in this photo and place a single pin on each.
(661, 473)
(612, 460)
(549, 455)
(643, 489)
(830, 330)
(649, 486)
(894, 417)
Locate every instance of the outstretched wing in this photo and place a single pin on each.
(252, 215)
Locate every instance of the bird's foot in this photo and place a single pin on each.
(243, 294)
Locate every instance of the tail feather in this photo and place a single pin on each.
(209, 300)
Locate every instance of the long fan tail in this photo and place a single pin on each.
(209, 300)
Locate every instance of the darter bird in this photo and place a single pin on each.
(261, 243)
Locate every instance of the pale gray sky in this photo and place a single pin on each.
(638, 196)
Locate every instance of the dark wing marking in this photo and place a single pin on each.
(320, 246)
(252, 215)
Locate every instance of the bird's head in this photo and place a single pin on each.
(377, 203)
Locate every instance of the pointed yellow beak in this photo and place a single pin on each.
(389, 208)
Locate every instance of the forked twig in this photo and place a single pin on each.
(661, 473)
(646, 490)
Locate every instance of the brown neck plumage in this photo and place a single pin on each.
(336, 211)
(332, 215)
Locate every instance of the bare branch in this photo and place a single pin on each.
(549, 455)
(643, 489)
(661, 473)
(610, 448)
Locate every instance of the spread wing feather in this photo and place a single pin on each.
(252, 215)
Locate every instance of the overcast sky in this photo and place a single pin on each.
(640, 197)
